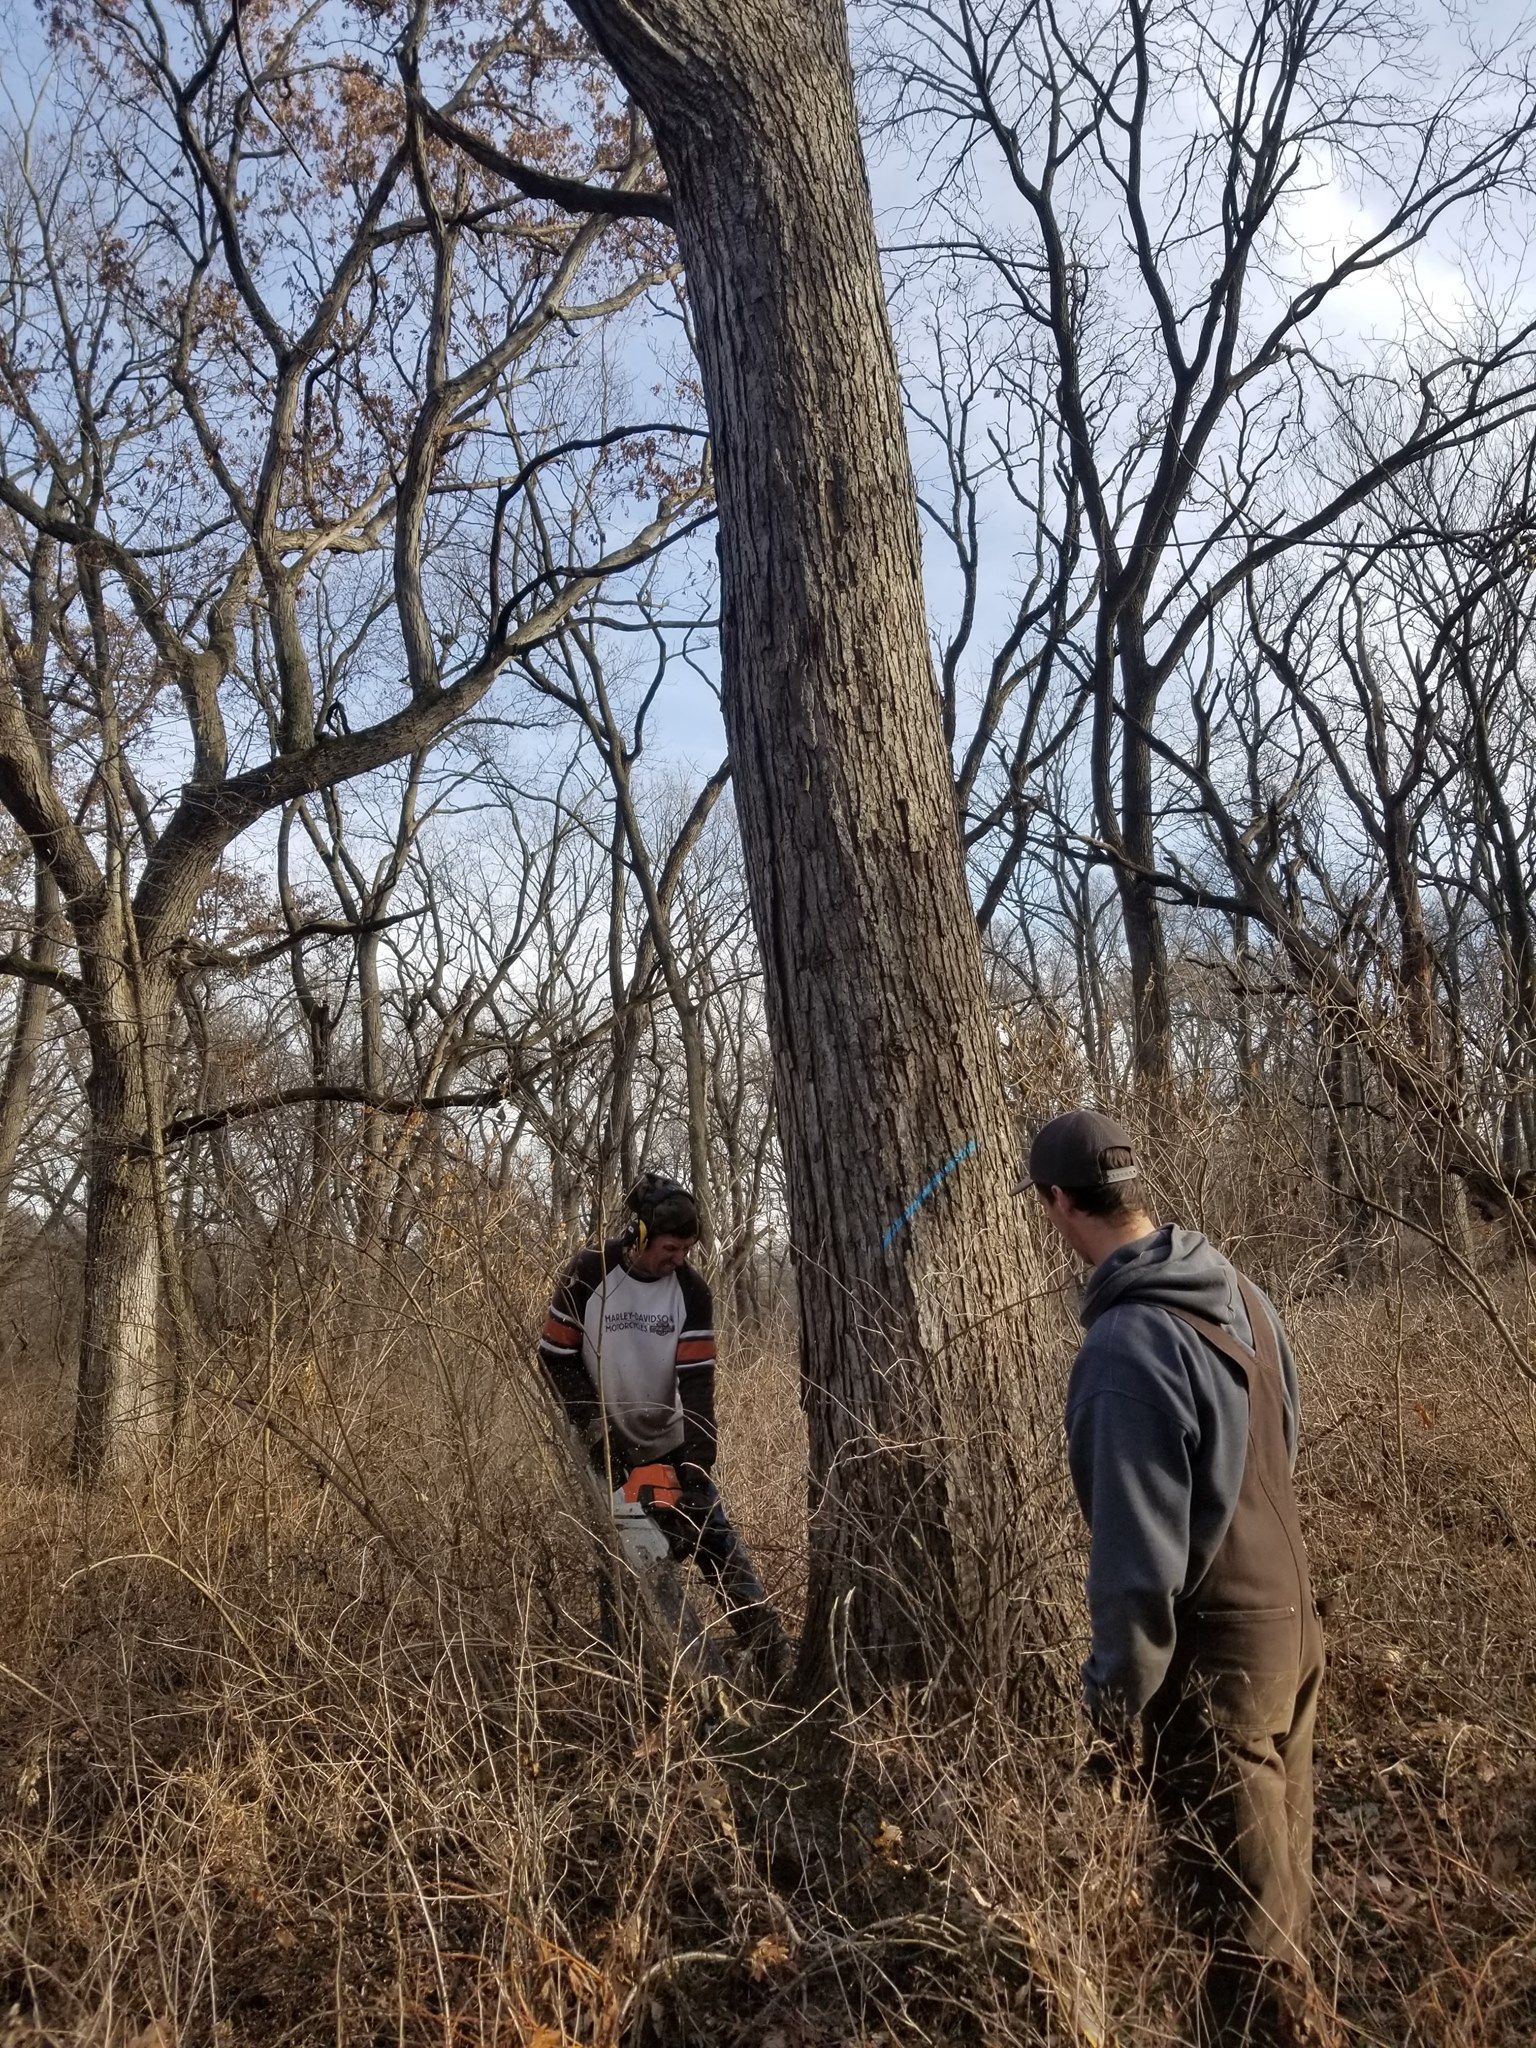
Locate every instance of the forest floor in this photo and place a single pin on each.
(308, 1739)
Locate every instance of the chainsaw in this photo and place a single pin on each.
(649, 1486)
(676, 1627)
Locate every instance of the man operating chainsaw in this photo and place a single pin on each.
(629, 1346)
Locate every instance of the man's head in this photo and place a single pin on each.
(1083, 1167)
(664, 1226)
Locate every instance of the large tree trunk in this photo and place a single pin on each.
(929, 1425)
(125, 1402)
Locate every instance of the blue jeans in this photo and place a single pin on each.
(698, 1531)
(701, 1533)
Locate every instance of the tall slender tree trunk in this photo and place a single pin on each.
(696, 1078)
(1416, 953)
(1349, 1167)
(29, 663)
(1145, 943)
(1504, 847)
(28, 1032)
(657, 893)
(618, 1165)
(1244, 1042)
(1434, 1200)
(27, 1035)
(372, 1172)
(318, 1198)
(933, 1523)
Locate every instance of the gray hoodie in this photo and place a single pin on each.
(1157, 1438)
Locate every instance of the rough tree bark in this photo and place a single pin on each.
(125, 1399)
(928, 1422)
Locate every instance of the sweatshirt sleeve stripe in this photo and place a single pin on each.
(560, 1343)
(695, 1350)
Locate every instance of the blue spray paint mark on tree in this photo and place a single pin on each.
(928, 1188)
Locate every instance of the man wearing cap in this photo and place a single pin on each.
(629, 1348)
(1206, 1649)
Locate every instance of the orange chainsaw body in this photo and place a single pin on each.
(652, 1486)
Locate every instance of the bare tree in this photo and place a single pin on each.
(1177, 315)
(898, 1159)
(330, 357)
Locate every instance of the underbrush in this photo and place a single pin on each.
(310, 1738)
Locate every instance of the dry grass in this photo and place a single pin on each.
(306, 1759)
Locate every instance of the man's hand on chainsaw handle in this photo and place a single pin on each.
(694, 1459)
(691, 1462)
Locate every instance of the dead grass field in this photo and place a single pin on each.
(308, 1739)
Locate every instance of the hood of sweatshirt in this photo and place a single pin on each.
(1173, 1268)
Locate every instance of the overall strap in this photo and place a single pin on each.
(1265, 1343)
(1245, 1359)
(1260, 1563)
(1262, 1357)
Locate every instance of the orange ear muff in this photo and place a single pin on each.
(641, 1233)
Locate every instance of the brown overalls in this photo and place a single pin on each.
(1228, 1735)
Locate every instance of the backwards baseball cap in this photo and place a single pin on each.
(1072, 1151)
(664, 1206)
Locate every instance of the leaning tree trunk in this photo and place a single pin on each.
(28, 1033)
(934, 1523)
(125, 1402)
